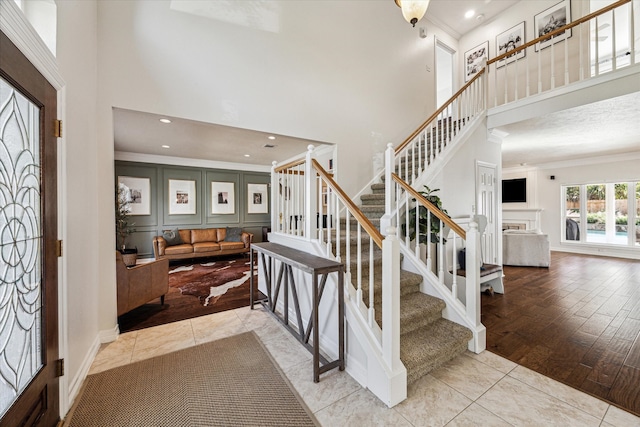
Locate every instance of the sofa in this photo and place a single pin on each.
(201, 242)
(139, 284)
(528, 248)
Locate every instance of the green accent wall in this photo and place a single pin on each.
(164, 215)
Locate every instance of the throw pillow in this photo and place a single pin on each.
(172, 237)
(234, 234)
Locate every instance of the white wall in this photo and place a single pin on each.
(548, 197)
(457, 181)
(76, 55)
(352, 73)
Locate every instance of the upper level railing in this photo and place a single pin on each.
(595, 44)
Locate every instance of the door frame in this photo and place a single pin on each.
(17, 28)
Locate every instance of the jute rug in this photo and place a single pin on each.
(212, 286)
(229, 382)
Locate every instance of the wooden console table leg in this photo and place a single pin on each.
(316, 334)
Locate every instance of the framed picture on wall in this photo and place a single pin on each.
(257, 199)
(510, 40)
(182, 197)
(473, 60)
(551, 19)
(138, 193)
(223, 199)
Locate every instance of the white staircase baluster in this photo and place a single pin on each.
(372, 310)
(539, 56)
(566, 61)
(441, 249)
(553, 66)
(632, 38)
(454, 264)
(614, 52)
(359, 265)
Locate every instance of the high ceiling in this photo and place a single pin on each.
(553, 137)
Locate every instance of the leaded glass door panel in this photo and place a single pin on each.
(28, 262)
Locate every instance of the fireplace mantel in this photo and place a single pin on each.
(530, 217)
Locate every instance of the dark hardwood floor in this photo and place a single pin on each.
(577, 322)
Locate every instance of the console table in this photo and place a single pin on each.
(319, 268)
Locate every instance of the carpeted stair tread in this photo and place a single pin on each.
(409, 284)
(372, 199)
(378, 188)
(372, 208)
(427, 348)
(417, 310)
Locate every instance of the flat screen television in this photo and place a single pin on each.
(514, 190)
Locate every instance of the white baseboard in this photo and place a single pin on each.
(109, 335)
(627, 252)
(77, 381)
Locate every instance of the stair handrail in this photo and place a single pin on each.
(349, 204)
(559, 30)
(290, 165)
(435, 115)
(430, 207)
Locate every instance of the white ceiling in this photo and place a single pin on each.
(138, 132)
(553, 137)
(602, 128)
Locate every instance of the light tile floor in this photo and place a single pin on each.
(472, 390)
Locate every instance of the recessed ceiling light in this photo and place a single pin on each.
(165, 120)
(166, 146)
(469, 14)
(271, 137)
(247, 155)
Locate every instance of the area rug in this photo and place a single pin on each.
(196, 289)
(230, 382)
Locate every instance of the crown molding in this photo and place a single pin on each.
(19, 30)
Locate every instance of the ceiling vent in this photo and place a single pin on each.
(269, 146)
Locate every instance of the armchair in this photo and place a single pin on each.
(140, 284)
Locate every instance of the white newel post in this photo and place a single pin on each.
(310, 228)
(275, 201)
(478, 343)
(391, 316)
(389, 190)
(391, 298)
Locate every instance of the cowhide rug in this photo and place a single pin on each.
(210, 281)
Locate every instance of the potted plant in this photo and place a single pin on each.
(434, 223)
(421, 231)
(123, 226)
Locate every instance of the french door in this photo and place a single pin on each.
(29, 391)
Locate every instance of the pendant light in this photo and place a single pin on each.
(413, 10)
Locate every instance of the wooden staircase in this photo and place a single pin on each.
(427, 340)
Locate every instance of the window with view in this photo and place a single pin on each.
(602, 213)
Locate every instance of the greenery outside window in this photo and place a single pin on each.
(602, 213)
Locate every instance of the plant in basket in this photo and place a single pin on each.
(124, 226)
